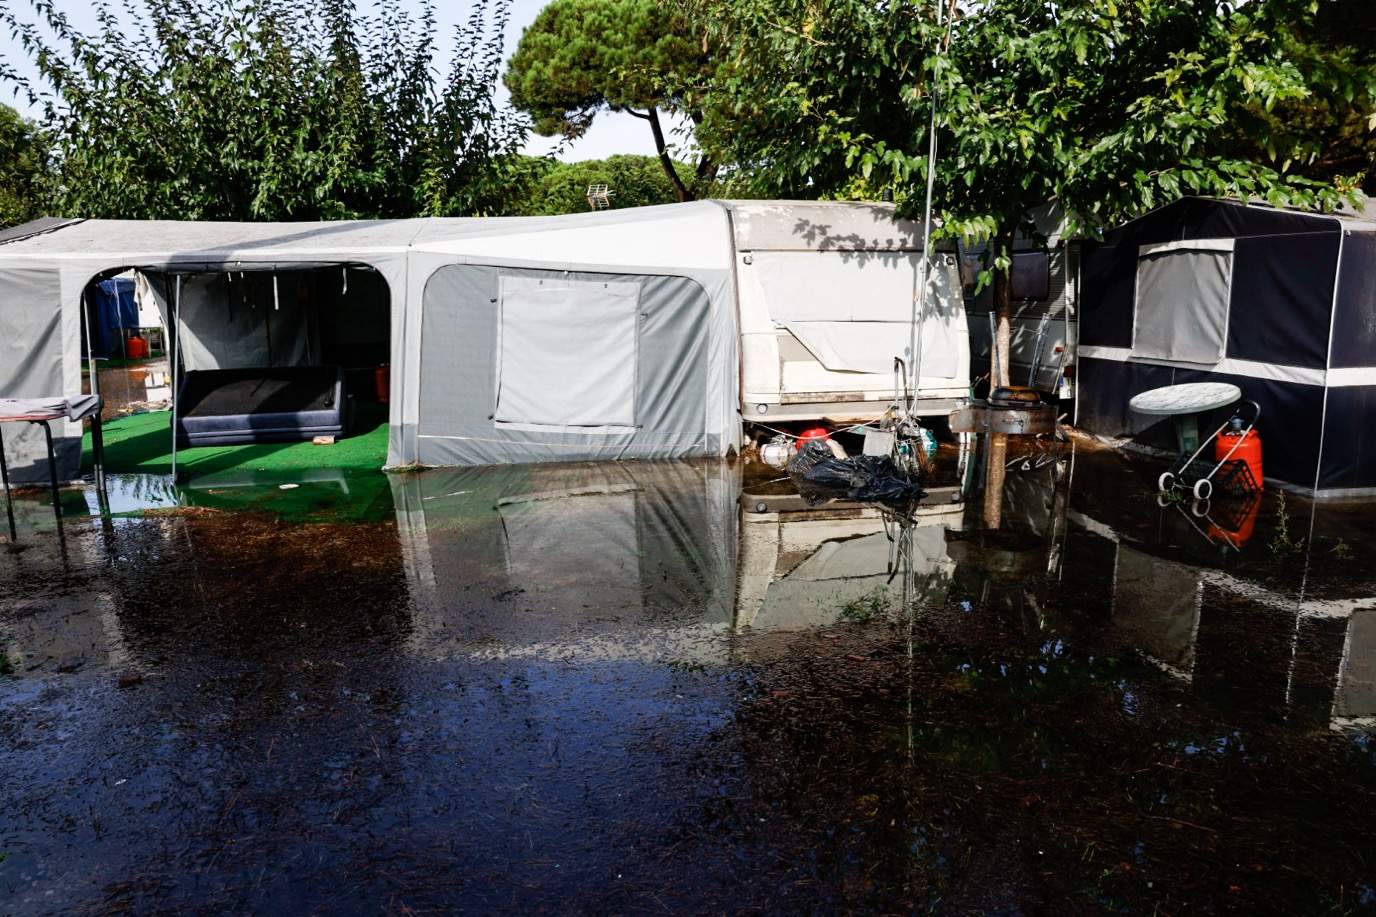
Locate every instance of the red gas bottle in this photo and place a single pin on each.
(136, 348)
(1248, 444)
(382, 383)
(821, 433)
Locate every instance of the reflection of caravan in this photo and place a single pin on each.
(1045, 295)
(637, 333)
(799, 570)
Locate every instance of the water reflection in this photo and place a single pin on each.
(632, 685)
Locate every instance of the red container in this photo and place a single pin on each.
(136, 348)
(382, 383)
(815, 433)
(1248, 451)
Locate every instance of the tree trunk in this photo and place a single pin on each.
(997, 457)
(681, 191)
(1003, 315)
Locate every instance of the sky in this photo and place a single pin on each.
(610, 134)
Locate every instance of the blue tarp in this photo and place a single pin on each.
(116, 314)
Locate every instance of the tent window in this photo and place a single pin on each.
(567, 353)
(1031, 276)
(1181, 310)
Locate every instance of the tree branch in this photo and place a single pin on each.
(681, 190)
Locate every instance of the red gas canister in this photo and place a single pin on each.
(136, 348)
(382, 383)
(821, 433)
(1248, 443)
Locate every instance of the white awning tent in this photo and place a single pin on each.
(613, 334)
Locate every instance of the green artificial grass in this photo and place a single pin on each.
(142, 444)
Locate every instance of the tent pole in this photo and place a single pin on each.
(176, 358)
(97, 435)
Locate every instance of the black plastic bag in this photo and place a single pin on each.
(820, 476)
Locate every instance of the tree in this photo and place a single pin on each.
(23, 168)
(582, 57)
(1111, 107)
(561, 187)
(269, 109)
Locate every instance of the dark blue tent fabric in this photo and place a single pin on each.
(116, 314)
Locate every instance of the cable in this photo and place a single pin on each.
(919, 310)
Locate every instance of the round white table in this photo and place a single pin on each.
(1185, 403)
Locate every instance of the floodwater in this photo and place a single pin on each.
(651, 687)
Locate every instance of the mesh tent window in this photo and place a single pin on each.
(567, 353)
(1180, 310)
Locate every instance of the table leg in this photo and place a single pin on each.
(1187, 433)
(5, 474)
(52, 470)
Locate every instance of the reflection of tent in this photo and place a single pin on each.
(606, 335)
(604, 559)
(1312, 659)
(1276, 302)
(1355, 700)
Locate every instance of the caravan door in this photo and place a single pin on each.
(826, 296)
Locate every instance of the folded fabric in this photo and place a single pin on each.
(75, 407)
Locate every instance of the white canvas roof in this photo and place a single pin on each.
(45, 268)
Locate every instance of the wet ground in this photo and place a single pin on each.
(652, 687)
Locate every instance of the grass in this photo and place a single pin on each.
(342, 482)
(142, 444)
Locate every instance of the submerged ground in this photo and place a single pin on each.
(636, 688)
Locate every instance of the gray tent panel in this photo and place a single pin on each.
(32, 366)
(465, 358)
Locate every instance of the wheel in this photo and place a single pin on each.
(1203, 489)
(1165, 482)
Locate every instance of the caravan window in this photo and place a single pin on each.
(567, 353)
(1181, 307)
(1031, 276)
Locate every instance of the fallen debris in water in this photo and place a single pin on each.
(821, 476)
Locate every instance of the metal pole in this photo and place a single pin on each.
(176, 359)
(97, 439)
(919, 310)
(5, 476)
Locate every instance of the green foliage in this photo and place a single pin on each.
(864, 608)
(582, 57)
(1111, 107)
(1283, 542)
(23, 165)
(270, 109)
(561, 187)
